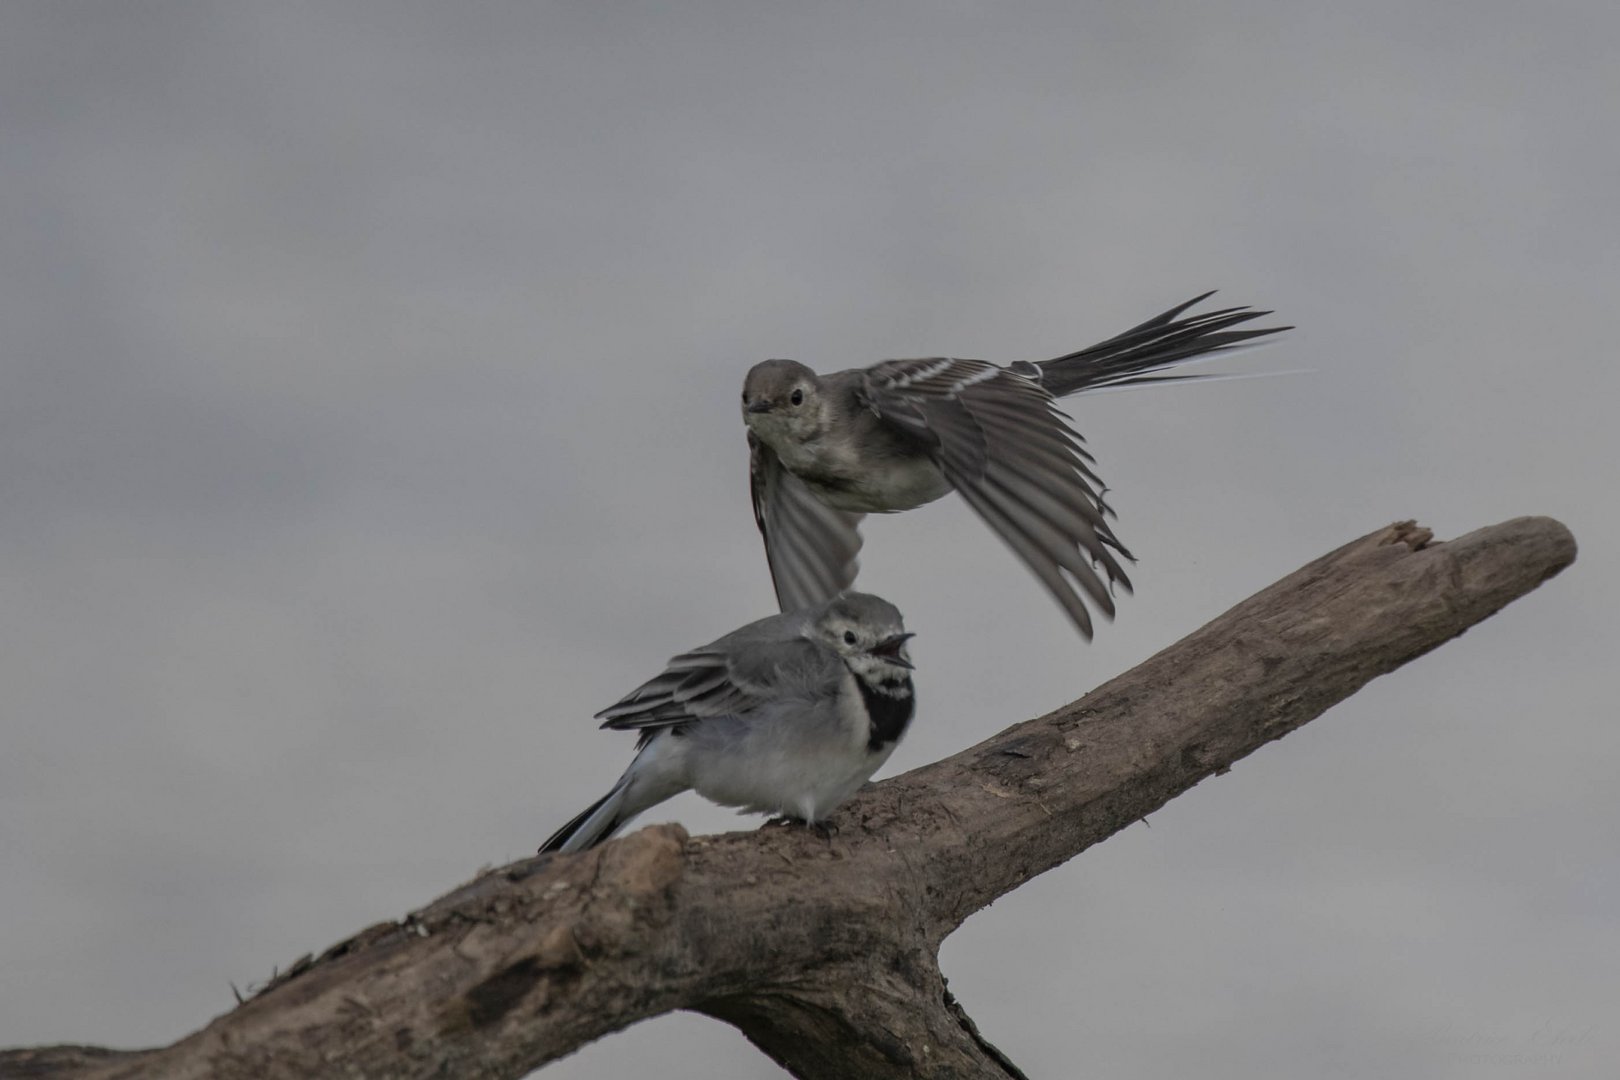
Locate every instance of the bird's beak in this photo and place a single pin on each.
(889, 649)
(759, 405)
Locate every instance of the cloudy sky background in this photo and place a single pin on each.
(368, 420)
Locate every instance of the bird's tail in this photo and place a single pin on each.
(592, 825)
(652, 777)
(1139, 354)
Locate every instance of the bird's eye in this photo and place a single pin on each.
(797, 397)
(849, 637)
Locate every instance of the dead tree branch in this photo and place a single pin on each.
(824, 953)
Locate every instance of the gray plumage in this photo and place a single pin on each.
(826, 450)
(788, 715)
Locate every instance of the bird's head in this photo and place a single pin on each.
(781, 400)
(868, 634)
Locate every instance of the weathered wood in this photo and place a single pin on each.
(824, 952)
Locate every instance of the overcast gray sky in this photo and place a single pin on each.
(368, 420)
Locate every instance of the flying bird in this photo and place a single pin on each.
(788, 715)
(825, 450)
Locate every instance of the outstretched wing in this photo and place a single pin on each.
(811, 548)
(736, 674)
(1000, 440)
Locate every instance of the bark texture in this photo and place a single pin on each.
(824, 952)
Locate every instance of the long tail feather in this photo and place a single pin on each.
(655, 774)
(1136, 356)
(592, 825)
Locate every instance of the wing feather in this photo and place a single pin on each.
(692, 693)
(1000, 440)
(737, 674)
(811, 548)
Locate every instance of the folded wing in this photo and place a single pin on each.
(736, 674)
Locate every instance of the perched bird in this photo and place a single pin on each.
(788, 715)
(825, 450)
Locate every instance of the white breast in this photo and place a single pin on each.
(800, 765)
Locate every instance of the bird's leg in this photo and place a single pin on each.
(824, 829)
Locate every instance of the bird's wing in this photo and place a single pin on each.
(736, 674)
(1000, 440)
(811, 548)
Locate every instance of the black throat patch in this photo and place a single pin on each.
(889, 709)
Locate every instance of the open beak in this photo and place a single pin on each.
(759, 405)
(889, 649)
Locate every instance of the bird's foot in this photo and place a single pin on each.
(824, 829)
